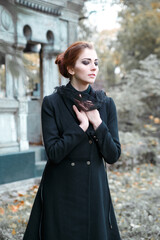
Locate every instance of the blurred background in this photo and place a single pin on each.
(126, 35)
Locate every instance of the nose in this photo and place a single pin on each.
(93, 67)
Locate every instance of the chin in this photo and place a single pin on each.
(88, 81)
(91, 81)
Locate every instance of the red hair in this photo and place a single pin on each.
(70, 56)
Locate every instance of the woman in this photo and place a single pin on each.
(80, 130)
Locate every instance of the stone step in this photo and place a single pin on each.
(39, 167)
(40, 153)
(17, 166)
(22, 165)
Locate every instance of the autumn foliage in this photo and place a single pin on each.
(139, 34)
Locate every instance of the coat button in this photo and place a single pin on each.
(94, 136)
(72, 164)
(90, 141)
(88, 162)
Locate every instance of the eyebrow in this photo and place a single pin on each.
(89, 59)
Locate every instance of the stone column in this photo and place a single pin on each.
(49, 73)
(15, 88)
(22, 124)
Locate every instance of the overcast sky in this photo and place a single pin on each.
(105, 16)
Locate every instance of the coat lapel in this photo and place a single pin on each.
(69, 105)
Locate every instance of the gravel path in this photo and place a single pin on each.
(135, 195)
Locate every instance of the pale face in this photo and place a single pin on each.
(86, 69)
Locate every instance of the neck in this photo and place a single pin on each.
(79, 86)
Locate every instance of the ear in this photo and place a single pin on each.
(70, 70)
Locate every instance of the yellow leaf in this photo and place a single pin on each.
(151, 117)
(13, 208)
(13, 232)
(138, 169)
(34, 187)
(1, 211)
(156, 120)
(21, 203)
(20, 195)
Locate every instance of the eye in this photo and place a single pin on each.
(96, 63)
(85, 62)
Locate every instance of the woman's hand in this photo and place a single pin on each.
(82, 117)
(94, 118)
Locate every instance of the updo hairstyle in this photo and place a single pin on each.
(70, 56)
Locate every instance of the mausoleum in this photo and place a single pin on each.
(32, 33)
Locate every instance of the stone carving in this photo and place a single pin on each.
(6, 19)
(40, 7)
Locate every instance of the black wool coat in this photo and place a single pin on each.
(73, 201)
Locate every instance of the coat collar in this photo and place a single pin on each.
(69, 85)
(66, 94)
(69, 102)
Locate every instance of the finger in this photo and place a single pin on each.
(75, 109)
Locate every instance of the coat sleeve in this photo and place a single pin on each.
(58, 146)
(107, 135)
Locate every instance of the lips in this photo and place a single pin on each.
(92, 75)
